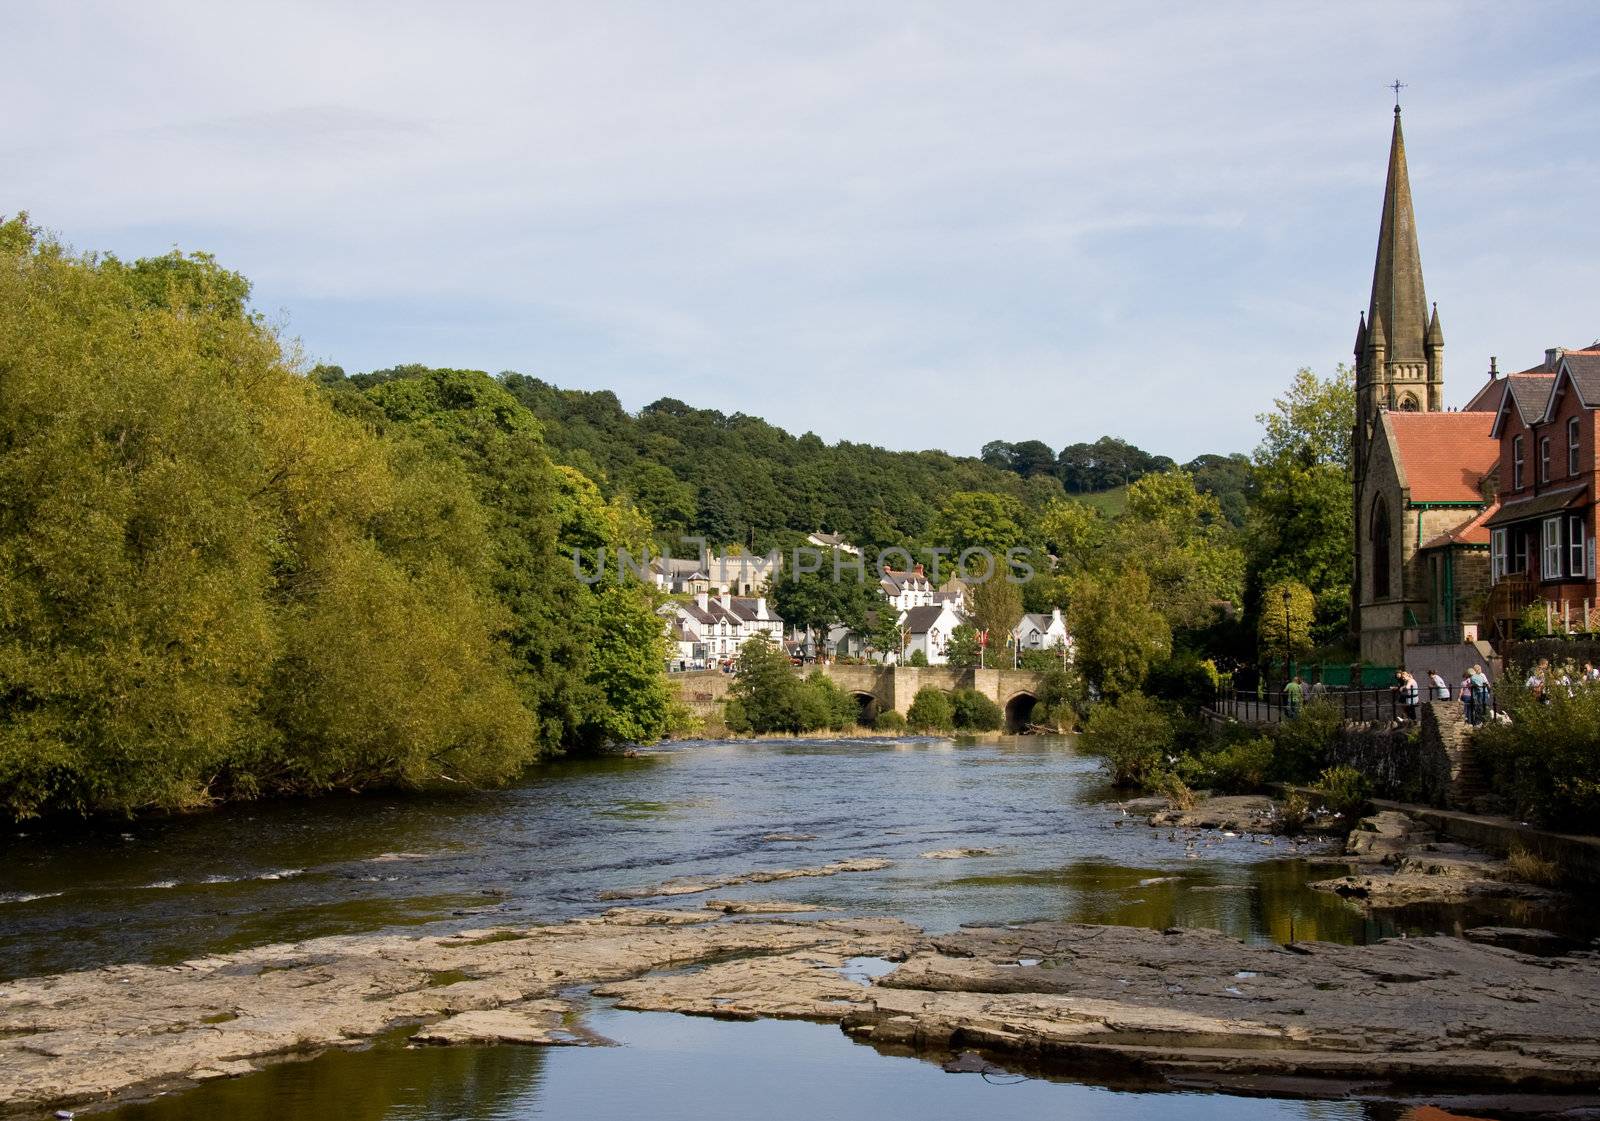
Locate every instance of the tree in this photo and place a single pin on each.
(1277, 633)
(1133, 735)
(819, 599)
(1302, 520)
(1078, 533)
(963, 649)
(995, 606)
(1117, 630)
(974, 712)
(978, 520)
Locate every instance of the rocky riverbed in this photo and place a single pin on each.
(1185, 1005)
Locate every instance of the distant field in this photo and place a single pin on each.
(1109, 502)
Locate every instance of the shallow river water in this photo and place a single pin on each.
(545, 849)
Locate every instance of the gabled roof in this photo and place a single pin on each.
(1581, 369)
(919, 619)
(1528, 394)
(1442, 457)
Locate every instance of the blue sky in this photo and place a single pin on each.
(918, 225)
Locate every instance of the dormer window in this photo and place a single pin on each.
(1572, 446)
(1517, 460)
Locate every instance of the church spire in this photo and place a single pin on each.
(1397, 292)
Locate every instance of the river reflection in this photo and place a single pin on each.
(678, 1068)
(546, 849)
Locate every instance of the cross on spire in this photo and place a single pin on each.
(1397, 85)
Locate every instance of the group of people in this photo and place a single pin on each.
(1474, 693)
(1538, 683)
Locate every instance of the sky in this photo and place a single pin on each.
(914, 225)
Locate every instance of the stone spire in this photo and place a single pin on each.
(1397, 291)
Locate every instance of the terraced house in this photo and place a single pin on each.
(1542, 536)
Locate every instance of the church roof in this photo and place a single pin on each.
(1399, 305)
(1443, 457)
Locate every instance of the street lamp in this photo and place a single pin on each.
(1286, 654)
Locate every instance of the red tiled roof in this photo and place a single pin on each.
(1444, 455)
(1473, 531)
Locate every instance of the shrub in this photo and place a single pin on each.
(889, 721)
(1547, 759)
(1133, 735)
(1174, 790)
(1235, 768)
(834, 708)
(930, 711)
(917, 658)
(1344, 791)
(1294, 813)
(975, 712)
(1304, 744)
(1063, 699)
(1184, 679)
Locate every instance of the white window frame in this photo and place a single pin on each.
(1574, 441)
(1544, 459)
(1518, 459)
(1497, 555)
(1575, 536)
(1550, 551)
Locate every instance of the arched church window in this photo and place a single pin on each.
(1408, 404)
(1380, 549)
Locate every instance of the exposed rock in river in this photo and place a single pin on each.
(956, 854)
(1180, 1005)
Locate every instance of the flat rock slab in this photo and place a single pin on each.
(1239, 813)
(762, 907)
(1437, 1011)
(135, 1029)
(546, 1023)
(956, 854)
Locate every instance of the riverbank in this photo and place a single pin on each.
(1187, 1006)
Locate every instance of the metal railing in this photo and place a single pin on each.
(1364, 706)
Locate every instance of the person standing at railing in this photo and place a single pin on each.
(1408, 695)
(1481, 697)
(1293, 694)
(1465, 695)
(1439, 688)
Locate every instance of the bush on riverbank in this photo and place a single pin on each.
(974, 712)
(889, 721)
(1546, 761)
(931, 711)
(1134, 735)
(767, 697)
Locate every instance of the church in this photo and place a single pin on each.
(1425, 478)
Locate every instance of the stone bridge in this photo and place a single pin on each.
(877, 688)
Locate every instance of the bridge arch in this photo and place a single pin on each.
(867, 704)
(1019, 710)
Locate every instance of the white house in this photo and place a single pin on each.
(714, 627)
(740, 574)
(832, 541)
(1043, 632)
(906, 588)
(928, 628)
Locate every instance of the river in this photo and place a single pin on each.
(1061, 848)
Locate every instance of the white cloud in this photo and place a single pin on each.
(1046, 222)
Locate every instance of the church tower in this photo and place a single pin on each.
(1399, 368)
(1399, 343)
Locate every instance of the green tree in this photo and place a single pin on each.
(963, 650)
(819, 599)
(979, 520)
(1118, 631)
(1133, 735)
(996, 606)
(974, 712)
(1302, 520)
(931, 711)
(1278, 629)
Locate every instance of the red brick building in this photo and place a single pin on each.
(1542, 536)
